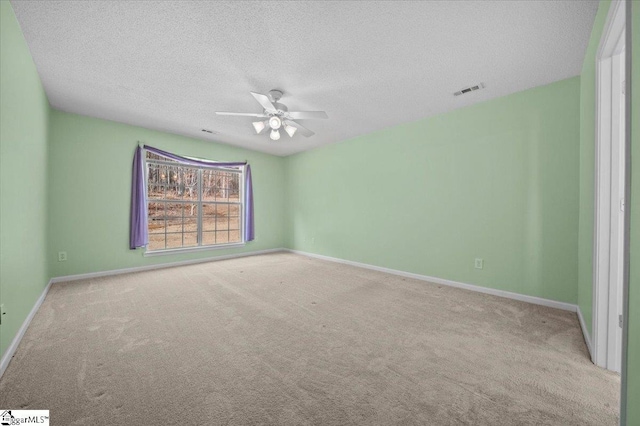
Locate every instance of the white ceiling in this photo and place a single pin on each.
(169, 65)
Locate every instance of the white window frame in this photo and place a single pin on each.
(241, 171)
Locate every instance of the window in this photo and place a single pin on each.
(192, 206)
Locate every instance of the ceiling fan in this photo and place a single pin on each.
(277, 116)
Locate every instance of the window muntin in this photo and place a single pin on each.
(192, 206)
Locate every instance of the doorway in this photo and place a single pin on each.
(609, 190)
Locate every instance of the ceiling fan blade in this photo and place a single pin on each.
(243, 114)
(305, 132)
(303, 115)
(264, 101)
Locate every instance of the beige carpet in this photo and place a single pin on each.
(286, 340)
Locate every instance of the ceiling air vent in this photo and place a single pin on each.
(469, 89)
(208, 131)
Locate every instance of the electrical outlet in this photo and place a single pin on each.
(2, 313)
(479, 264)
(62, 256)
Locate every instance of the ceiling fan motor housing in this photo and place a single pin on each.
(275, 95)
(281, 109)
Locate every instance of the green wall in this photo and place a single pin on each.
(497, 180)
(587, 166)
(500, 180)
(24, 113)
(90, 193)
(633, 346)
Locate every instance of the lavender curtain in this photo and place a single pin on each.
(138, 234)
(248, 206)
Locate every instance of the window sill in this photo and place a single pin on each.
(192, 249)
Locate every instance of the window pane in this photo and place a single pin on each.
(222, 224)
(191, 224)
(223, 191)
(156, 241)
(209, 185)
(222, 237)
(222, 217)
(172, 182)
(220, 185)
(209, 209)
(234, 236)
(234, 187)
(183, 183)
(208, 224)
(208, 217)
(235, 221)
(154, 184)
(208, 238)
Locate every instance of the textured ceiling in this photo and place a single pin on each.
(170, 65)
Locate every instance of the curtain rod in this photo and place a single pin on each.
(246, 161)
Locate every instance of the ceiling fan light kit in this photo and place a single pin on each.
(275, 122)
(278, 115)
(259, 126)
(290, 130)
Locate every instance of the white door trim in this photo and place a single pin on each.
(611, 44)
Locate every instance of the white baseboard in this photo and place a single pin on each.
(6, 358)
(501, 293)
(160, 266)
(8, 354)
(585, 332)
